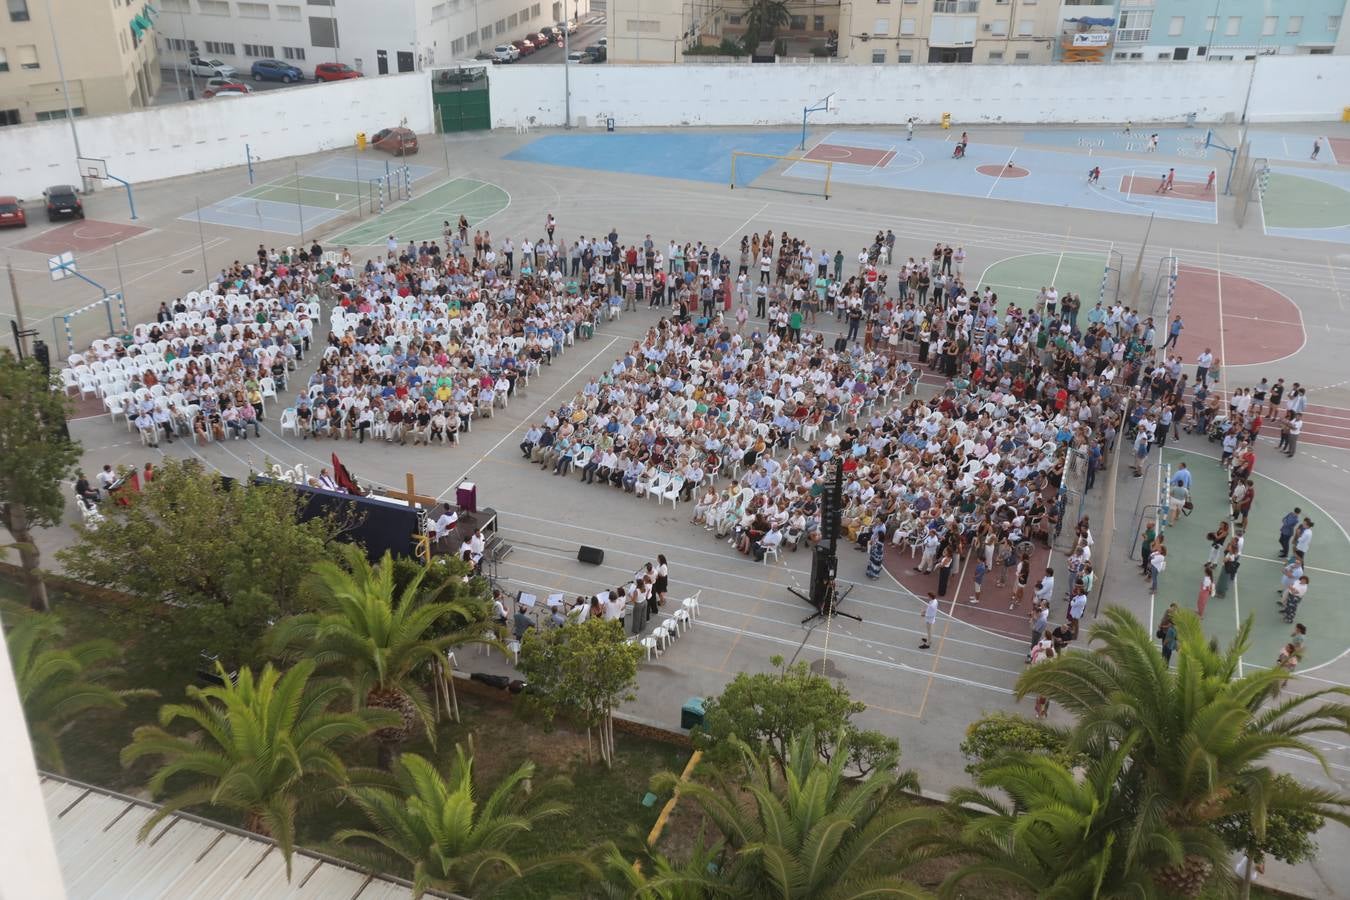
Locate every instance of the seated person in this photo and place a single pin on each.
(522, 622)
(772, 540)
(85, 491)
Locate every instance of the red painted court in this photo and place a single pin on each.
(870, 157)
(1143, 186)
(84, 236)
(1340, 147)
(1260, 324)
(1009, 171)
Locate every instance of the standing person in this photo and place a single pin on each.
(1317, 148)
(1232, 561)
(876, 554)
(549, 224)
(1209, 182)
(1020, 580)
(1077, 606)
(1044, 649)
(1174, 331)
(661, 584)
(909, 129)
(1167, 634)
(1293, 596)
(1157, 564)
(1303, 539)
(1045, 589)
(1171, 178)
(1206, 590)
(1286, 662)
(1287, 526)
(1203, 362)
(1040, 618)
(1295, 429)
(1146, 547)
(981, 570)
(930, 610)
(1094, 174)
(944, 571)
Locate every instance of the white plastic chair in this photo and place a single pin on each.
(672, 493)
(650, 645)
(290, 421)
(682, 619)
(690, 605)
(770, 551)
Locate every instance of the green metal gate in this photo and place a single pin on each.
(461, 99)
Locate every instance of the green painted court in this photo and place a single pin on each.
(1292, 201)
(422, 217)
(311, 190)
(1323, 610)
(1018, 279)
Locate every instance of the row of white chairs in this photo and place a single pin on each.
(665, 633)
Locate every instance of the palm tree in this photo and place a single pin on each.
(59, 685)
(698, 878)
(1058, 839)
(435, 824)
(762, 20)
(264, 746)
(806, 831)
(377, 643)
(1200, 735)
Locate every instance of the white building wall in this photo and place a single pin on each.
(197, 137)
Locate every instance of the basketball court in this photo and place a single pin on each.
(1244, 322)
(422, 217)
(83, 236)
(1307, 203)
(867, 157)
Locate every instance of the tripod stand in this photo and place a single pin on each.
(829, 604)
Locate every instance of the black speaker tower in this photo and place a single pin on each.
(824, 595)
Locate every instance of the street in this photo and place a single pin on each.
(585, 35)
(175, 84)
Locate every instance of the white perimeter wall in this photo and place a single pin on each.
(210, 134)
(1284, 89)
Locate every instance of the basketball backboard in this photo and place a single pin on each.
(61, 266)
(91, 167)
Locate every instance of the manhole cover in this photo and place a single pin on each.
(186, 271)
(827, 668)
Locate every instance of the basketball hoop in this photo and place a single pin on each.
(92, 168)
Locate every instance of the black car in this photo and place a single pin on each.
(62, 200)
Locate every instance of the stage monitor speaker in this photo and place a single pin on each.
(593, 555)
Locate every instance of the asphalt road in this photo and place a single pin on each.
(580, 39)
(172, 80)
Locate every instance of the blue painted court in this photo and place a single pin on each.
(1291, 147)
(1184, 142)
(1000, 172)
(687, 156)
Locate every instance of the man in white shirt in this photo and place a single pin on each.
(930, 611)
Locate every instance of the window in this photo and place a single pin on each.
(797, 23)
(18, 10)
(1210, 24)
(534, 11)
(323, 31)
(644, 26)
(512, 20)
(878, 57)
(501, 26)
(524, 15)
(1333, 24)
(1166, 55)
(471, 40)
(884, 2)
(1293, 25)
(219, 48)
(176, 6)
(1000, 27)
(904, 56)
(1134, 24)
(27, 54)
(1022, 55)
(58, 114)
(177, 44)
(956, 6)
(1024, 28)
(9, 117)
(1181, 53)
(1233, 26)
(1176, 26)
(319, 2)
(288, 13)
(4, 61)
(881, 26)
(254, 11)
(260, 51)
(733, 20)
(1320, 51)
(457, 46)
(1269, 24)
(818, 23)
(906, 26)
(995, 55)
(294, 53)
(486, 33)
(213, 7)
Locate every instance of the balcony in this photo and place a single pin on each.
(956, 6)
(1085, 46)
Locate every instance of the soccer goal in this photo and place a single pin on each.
(812, 179)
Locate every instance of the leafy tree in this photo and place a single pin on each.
(1200, 736)
(57, 685)
(801, 829)
(768, 709)
(762, 20)
(227, 559)
(1056, 838)
(435, 824)
(38, 455)
(581, 673)
(377, 642)
(997, 734)
(1288, 833)
(264, 746)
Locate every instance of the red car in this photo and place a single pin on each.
(334, 72)
(225, 86)
(398, 141)
(11, 213)
(524, 45)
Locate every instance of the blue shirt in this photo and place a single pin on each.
(1182, 478)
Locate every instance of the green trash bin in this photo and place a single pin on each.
(691, 713)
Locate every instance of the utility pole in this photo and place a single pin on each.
(61, 72)
(18, 309)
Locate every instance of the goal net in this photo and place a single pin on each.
(790, 174)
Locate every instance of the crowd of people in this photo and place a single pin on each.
(638, 600)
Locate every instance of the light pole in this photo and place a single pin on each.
(187, 54)
(65, 88)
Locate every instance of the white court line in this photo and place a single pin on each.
(1000, 173)
(738, 228)
(1306, 568)
(877, 164)
(582, 372)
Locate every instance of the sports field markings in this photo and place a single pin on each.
(1008, 163)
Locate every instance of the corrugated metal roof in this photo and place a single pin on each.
(185, 857)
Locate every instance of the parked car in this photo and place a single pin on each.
(597, 53)
(569, 27)
(505, 53)
(462, 75)
(604, 42)
(12, 214)
(524, 45)
(62, 200)
(334, 72)
(541, 40)
(398, 141)
(276, 70)
(577, 56)
(211, 68)
(217, 86)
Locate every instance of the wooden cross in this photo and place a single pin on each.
(422, 538)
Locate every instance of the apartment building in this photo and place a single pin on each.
(377, 37)
(106, 48)
(949, 31)
(1193, 31)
